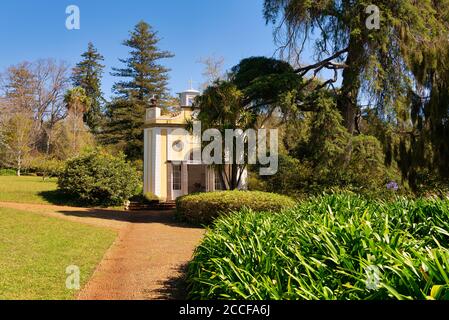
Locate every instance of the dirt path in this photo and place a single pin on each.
(145, 262)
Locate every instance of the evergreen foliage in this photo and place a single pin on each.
(97, 178)
(401, 70)
(142, 78)
(87, 75)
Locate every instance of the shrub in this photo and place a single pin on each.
(99, 179)
(203, 208)
(150, 197)
(46, 167)
(147, 198)
(291, 179)
(334, 247)
(8, 172)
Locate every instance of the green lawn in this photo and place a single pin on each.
(27, 189)
(36, 250)
(36, 191)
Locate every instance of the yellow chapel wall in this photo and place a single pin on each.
(164, 164)
(159, 122)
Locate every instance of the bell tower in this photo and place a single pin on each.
(187, 97)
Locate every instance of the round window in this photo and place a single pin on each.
(178, 145)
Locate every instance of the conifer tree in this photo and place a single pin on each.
(141, 78)
(373, 58)
(87, 74)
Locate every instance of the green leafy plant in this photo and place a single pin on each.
(99, 179)
(204, 208)
(8, 172)
(45, 167)
(333, 247)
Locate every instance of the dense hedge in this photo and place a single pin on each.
(203, 208)
(8, 172)
(99, 179)
(336, 247)
(42, 166)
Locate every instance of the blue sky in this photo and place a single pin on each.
(233, 29)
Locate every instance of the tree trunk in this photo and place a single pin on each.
(234, 176)
(75, 130)
(347, 101)
(50, 130)
(49, 136)
(19, 166)
(234, 166)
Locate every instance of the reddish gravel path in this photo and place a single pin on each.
(145, 262)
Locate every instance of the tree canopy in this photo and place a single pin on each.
(87, 75)
(140, 79)
(375, 63)
(390, 80)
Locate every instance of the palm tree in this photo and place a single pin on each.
(77, 103)
(222, 107)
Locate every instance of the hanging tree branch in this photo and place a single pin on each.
(324, 64)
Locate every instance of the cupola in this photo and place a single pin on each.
(187, 97)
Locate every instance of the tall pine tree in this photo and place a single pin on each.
(142, 78)
(87, 74)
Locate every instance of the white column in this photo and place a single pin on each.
(156, 162)
(170, 181)
(185, 178)
(146, 169)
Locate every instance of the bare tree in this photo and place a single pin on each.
(16, 116)
(16, 140)
(37, 88)
(213, 69)
(18, 87)
(52, 81)
(78, 103)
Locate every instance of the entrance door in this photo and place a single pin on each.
(197, 178)
(177, 181)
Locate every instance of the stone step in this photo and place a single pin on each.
(135, 206)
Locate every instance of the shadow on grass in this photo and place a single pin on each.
(167, 217)
(162, 217)
(59, 198)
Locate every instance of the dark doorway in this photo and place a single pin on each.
(197, 178)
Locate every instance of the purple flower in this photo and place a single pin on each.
(392, 186)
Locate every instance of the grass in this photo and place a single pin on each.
(35, 190)
(26, 189)
(36, 250)
(335, 247)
